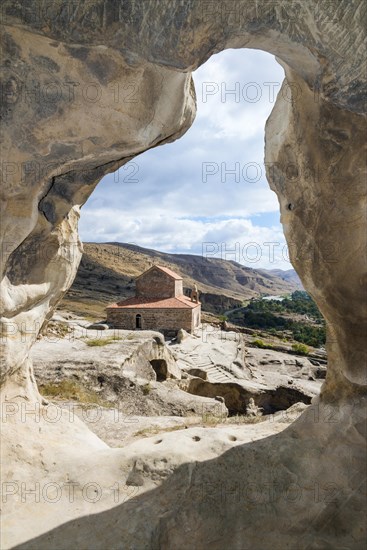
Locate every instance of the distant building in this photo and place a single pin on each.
(159, 304)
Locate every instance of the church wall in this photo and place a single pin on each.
(178, 288)
(153, 319)
(155, 283)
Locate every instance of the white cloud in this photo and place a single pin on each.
(232, 239)
(185, 194)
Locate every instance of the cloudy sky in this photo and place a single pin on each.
(206, 193)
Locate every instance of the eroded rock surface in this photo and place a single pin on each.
(220, 365)
(323, 204)
(133, 372)
(57, 146)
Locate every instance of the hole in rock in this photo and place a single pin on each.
(205, 194)
(236, 398)
(101, 380)
(160, 368)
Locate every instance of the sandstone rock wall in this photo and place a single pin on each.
(53, 157)
(86, 86)
(322, 197)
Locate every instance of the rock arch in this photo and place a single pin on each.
(87, 87)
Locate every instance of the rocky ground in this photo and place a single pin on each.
(152, 412)
(129, 385)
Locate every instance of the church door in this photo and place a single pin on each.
(138, 321)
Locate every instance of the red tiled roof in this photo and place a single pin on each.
(166, 270)
(182, 302)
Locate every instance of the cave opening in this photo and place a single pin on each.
(206, 193)
(160, 368)
(216, 205)
(237, 399)
(228, 208)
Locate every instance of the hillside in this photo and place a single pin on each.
(107, 272)
(288, 275)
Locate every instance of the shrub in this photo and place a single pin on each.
(102, 341)
(73, 391)
(98, 342)
(302, 349)
(261, 344)
(147, 389)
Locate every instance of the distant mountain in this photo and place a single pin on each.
(107, 273)
(288, 275)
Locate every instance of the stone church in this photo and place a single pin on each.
(159, 304)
